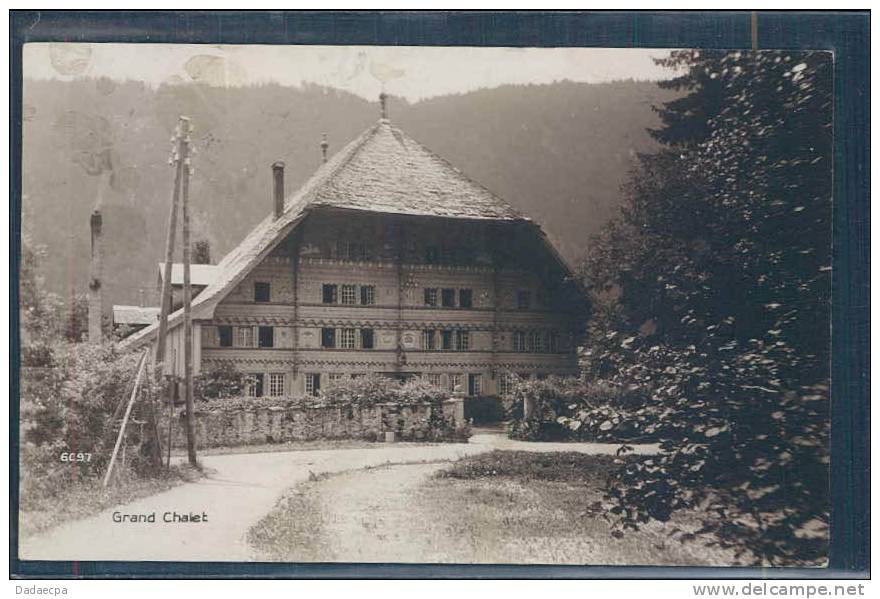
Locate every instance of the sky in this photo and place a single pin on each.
(410, 72)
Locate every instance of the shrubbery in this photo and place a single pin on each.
(371, 390)
(568, 408)
(361, 393)
(67, 407)
(220, 383)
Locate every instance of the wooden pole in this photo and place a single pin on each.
(165, 300)
(187, 306)
(134, 390)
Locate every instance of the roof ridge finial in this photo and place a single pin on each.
(383, 101)
(324, 146)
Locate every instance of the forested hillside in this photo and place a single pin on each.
(556, 152)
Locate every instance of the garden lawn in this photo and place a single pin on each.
(497, 507)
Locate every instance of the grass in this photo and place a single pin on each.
(294, 531)
(497, 507)
(520, 507)
(87, 497)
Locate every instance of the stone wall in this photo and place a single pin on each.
(254, 426)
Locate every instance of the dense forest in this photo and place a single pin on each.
(559, 153)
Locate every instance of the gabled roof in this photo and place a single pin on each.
(383, 170)
(199, 274)
(135, 315)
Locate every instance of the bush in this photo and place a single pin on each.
(572, 409)
(371, 390)
(361, 391)
(220, 383)
(68, 408)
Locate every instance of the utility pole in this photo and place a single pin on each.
(165, 300)
(187, 302)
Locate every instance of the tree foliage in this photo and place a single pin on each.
(712, 296)
(69, 390)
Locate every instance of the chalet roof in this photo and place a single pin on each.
(383, 170)
(135, 315)
(199, 274)
(387, 171)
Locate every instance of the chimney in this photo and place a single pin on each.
(278, 187)
(96, 307)
(383, 100)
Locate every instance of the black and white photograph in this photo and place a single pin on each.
(374, 304)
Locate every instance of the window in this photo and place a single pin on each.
(462, 340)
(276, 384)
(523, 300)
(245, 336)
(255, 384)
(368, 295)
(429, 339)
(367, 339)
(349, 293)
(261, 292)
(328, 337)
(475, 384)
(447, 339)
(530, 342)
(448, 298)
(505, 383)
(431, 296)
(447, 253)
(552, 342)
(267, 337)
(519, 341)
(328, 293)
(465, 298)
(224, 333)
(537, 341)
(346, 338)
(454, 381)
(351, 250)
(333, 378)
(432, 254)
(435, 379)
(313, 383)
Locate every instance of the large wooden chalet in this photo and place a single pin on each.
(388, 260)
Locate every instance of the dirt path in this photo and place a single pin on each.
(371, 517)
(241, 489)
